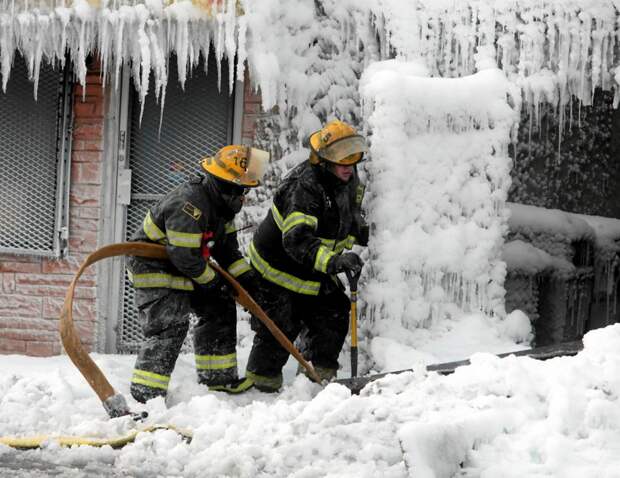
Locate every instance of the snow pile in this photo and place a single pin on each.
(440, 176)
(511, 417)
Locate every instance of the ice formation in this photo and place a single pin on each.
(440, 176)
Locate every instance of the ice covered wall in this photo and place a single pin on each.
(440, 176)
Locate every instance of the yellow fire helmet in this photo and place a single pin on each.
(238, 164)
(337, 142)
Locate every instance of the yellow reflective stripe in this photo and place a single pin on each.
(277, 217)
(261, 380)
(283, 279)
(151, 230)
(184, 239)
(347, 243)
(323, 255)
(329, 243)
(359, 193)
(238, 267)
(207, 275)
(298, 218)
(150, 379)
(229, 227)
(215, 362)
(159, 279)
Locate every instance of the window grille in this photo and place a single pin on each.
(35, 150)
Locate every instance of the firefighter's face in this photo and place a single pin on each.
(233, 195)
(343, 173)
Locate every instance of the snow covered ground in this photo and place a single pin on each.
(512, 417)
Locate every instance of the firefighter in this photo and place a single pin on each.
(194, 221)
(298, 250)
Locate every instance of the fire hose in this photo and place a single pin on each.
(113, 402)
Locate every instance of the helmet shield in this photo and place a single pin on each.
(256, 167)
(344, 151)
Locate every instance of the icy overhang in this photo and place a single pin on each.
(552, 49)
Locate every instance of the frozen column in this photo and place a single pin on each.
(439, 181)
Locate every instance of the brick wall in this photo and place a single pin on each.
(32, 289)
(251, 111)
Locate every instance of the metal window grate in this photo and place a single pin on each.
(34, 161)
(196, 122)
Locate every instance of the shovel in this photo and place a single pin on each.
(353, 278)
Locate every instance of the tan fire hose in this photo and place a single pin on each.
(114, 402)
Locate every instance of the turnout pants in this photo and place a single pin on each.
(324, 320)
(165, 316)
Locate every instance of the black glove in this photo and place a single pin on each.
(349, 262)
(218, 286)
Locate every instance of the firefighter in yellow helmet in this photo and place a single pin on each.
(298, 250)
(194, 221)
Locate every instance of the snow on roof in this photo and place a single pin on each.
(538, 219)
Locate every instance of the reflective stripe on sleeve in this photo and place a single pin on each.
(229, 227)
(216, 362)
(151, 230)
(323, 255)
(184, 239)
(297, 219)
(238, 267)
(150, 379)
(280, 278)
(207, 275)
(346, 243)
(277, 217)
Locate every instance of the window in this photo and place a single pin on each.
(35, 149)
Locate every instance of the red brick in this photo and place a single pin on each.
(34, 267)
(28, 323)
(84, 195)
(100, 109)
(86, 173)
(251, 108)
(43, 279)
(40, 349)
(84, 109)
(87, 156)
(18, 258)
(92, 89)
(88, 131)
(20, 306)
(86, 145)
(93, 78)
(57, 291)
(83, 309)
(82, 241)
(28, 335)
(249, 122)
(70, 265)
(10, 346)
(83, 224)
(86, 212)
(85, 331)
(8, 282)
